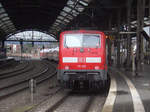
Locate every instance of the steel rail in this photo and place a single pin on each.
(22, 85)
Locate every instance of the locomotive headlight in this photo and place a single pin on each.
(96, 67)
(66, 67)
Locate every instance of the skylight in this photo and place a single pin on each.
(72, 9)
(5, 22)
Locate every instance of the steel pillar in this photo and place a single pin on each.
(21, 44)
(118, 38)
(142, 38)
(109, 43)
(128, 35)
(2, 44)
(149, 19)
(140, 20)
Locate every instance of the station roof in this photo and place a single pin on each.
(54, 16)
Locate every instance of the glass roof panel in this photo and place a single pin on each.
(1, 23)
(69, 12)
(69, 17)
(79, 8)
(74, 11)
(67, 9)
(3, 15)
(56, 23)
(66, 20)
(8, 22)
(145, 18)
(60, 17)
(63, 13)
(5, 19)
(53, 28)
(7, 28)
(74, 14)
(5, 22)
(147, 22)
(71, 6)
(58, 28)
(2, 10)
(11, 26)
(70, 2)
(59, 21)
(63, 22)
(83, 3)
(3, 26)
(1, 5)
(133, 22)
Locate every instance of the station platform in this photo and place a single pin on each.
(6, 59)
(129, 92)
(4, 62)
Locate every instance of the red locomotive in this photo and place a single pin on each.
(82, 59)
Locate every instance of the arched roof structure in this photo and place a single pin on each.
(54, 16)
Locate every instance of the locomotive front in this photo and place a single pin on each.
(82, 59)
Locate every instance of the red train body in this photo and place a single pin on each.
(82, 59)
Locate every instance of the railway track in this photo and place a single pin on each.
(71, 101)
(78, 102)
(19, 65)
(59, 99)
(68, 103)
(17, 71)
(19, 80)
(63, 101)
(5, 64)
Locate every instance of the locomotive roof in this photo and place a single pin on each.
(83, 31)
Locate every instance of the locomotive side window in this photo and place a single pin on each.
(82, 40)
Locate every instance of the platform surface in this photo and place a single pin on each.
(133, 90)
(6, 59)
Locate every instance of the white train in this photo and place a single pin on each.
(51, 54)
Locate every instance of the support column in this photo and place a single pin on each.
(2, 49)
(149, 19)
(21, 45)
(109, 43)
(0, 44)
(118, 39)
(32, 38)
(128, 35)
(3, 44)
(140, 13)
(142, 38)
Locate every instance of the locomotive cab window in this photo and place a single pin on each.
(82, 40)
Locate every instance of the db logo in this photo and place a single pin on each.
(81, 60)
(81, 66)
